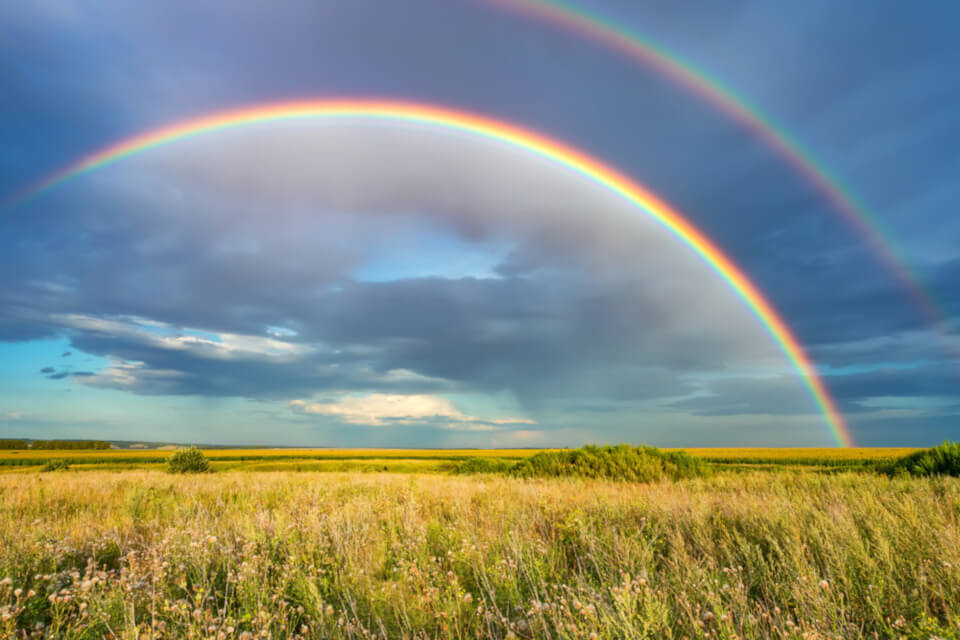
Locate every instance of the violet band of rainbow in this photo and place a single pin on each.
(613, 36)
(507, 134)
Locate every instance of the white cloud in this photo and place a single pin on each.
(127, 375)
(381, 409)
(14, 415)
(226, 346)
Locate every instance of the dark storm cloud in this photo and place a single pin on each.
(591, 294)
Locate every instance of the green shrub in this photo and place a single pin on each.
(620, 462)
(943, 460)
(12, 443)
(69, 444)
(56, 465)
(484, 465)
(190, 460)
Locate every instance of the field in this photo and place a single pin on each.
(439, 460)
(812, 551)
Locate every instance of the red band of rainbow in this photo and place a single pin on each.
(506, 134)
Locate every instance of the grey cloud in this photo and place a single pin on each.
(592, 298)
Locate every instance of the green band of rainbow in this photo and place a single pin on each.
(683, 73)
(512, 136)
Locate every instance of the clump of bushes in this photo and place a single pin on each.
(620, 462)
(189, 460)
(484, 465)
(55, 465)
(943, 460)
(69, 444)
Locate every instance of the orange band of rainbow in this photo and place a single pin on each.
(507, 134)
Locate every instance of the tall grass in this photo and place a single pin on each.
(620, 462)
(283, 555)
(942, 460)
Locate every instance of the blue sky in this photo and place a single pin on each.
(372, 285)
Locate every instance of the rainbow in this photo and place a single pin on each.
(506, 134)
(698, 82)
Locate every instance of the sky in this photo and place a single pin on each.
(334, 282)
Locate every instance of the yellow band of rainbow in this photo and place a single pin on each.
(507, 134)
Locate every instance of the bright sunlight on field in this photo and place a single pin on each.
(740, 555)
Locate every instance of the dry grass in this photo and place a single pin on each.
(821, 454)
(121, 454)
(143, 554)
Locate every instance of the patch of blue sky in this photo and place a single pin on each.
(431, 253)
(25, 389)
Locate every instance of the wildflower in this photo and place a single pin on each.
(467, 598)
(824, 585)
(17, 592)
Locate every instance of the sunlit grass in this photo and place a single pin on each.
(284, 555)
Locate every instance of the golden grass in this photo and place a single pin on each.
(746, 454)
(120, 454)
(144, 554)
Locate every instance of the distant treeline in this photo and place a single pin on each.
(54, 444)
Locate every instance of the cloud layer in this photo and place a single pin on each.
(328, 261)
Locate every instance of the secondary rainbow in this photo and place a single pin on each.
(697, 81)
(507, 134)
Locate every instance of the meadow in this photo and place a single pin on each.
(440, 460)
(812, 551)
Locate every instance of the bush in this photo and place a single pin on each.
(10, 443)
(56, 465)
(620, 462)
(190, 460)
(69, 444)
(484, 465)
(943, 460)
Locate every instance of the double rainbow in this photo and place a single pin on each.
(635, 46)
(506, 134)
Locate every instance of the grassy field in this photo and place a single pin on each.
(142, 554)
(422, 460)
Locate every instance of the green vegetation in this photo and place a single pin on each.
(10, 443)
(802, 555)
(69, 444)
(484, 465)
(943, 460)
(56, 465)
(621, 462)
(189, 460)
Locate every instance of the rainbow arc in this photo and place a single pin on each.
(524, 140)
(635, 46)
